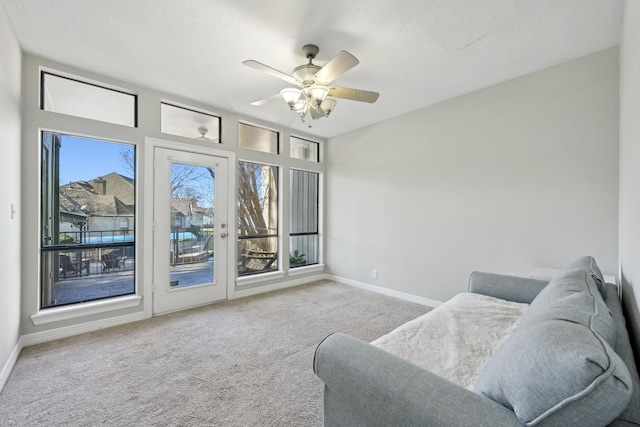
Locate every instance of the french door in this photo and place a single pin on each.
(190, 229)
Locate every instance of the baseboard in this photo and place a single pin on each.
(8, 366)
(277, 286)
(384, 291)
(81, 328)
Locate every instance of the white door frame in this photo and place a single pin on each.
(147, 189)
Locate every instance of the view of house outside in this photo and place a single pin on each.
(89, 222)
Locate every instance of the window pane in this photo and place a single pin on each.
(256, 138)
(257, 218)
(304, 240)
(304, 250)
(88, 219)
(304, 150)
(76, 98)
(81, 275)
(189, 123)
(257, 255)
(192, 225)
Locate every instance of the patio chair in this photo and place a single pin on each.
(67, 266)
(253, 261)
(110, 261)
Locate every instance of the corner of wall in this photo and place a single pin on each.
(629, 183)
(10, 203)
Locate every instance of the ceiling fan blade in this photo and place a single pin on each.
(354, 94)
(271, 71)
(269, 99)
(340, 64)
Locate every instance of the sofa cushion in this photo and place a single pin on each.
(559, 366)
(574, 296)
(588, 263)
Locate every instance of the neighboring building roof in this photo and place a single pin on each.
(118, 185)
(187, 207)
(107, 205)
(90, 199)
(183, 206)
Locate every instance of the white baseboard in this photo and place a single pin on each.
(8, 367)
(81, 328)
(277, 286)
(384, 291)
(366, 286)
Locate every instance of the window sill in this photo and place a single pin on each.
(258, 278)
(73, 311)
(296, 271)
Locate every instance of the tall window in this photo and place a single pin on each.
(257, 218)
(304, 244)
(87, 219)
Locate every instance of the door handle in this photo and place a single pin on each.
(223, 235)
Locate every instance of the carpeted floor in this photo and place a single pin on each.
(246, 362)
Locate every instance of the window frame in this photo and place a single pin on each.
(217, 140)
(276, 171)
(47, 262)
(80, 80)
(317, 214)
(316, 144)
(278, 138)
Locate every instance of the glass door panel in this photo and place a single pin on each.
(190, 229)
(191, 248)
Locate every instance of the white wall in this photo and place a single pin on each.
(10, 68)
(630, 168)
(519, 175)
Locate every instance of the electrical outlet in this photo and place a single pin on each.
(374, 274)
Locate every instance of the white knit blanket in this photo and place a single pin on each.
(456, 339)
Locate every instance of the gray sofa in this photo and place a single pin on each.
(568, 363)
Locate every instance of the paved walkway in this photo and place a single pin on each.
(100, 284)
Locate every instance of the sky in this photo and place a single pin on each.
(83, 159)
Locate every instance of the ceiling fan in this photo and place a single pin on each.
(313, 93)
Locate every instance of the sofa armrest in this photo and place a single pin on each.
(631, 415)
(365, 385)
(510, 288)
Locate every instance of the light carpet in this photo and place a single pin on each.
(246, 362)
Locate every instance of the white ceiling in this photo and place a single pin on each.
(414, 52)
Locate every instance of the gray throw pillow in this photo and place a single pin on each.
(588, 263)
(559, 366)
(574, 296)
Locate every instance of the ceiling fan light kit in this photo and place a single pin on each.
(313, 94)
(291, 96)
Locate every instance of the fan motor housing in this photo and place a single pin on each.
(305, 73)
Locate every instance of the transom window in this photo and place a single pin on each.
(189, 123)
(258, 138)
(75, 97)
(304, 149)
